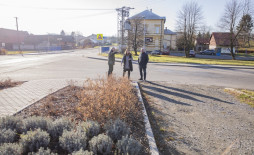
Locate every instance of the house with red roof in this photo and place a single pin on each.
(221, 40)
(202, 44)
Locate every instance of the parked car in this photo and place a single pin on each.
(208, 52)
(192, 53)
(156, 52)
(166, 52)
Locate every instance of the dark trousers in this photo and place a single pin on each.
(142, 69)
(129, 73)
(110, 69)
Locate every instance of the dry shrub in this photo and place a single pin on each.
(3, 52)
(111, 98)
(8, 83)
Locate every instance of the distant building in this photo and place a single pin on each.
(48, 42)
(202, 44)
(11, 38)
(169, 41)
(154, 29)
(221, 40)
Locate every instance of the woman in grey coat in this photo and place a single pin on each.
(127, 63)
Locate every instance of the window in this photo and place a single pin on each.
(157, 29)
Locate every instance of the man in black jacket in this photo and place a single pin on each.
(142, 61)
(111, 60)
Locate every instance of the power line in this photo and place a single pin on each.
(61, 9)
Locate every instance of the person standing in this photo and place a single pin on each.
(127, 63)
(142, 61)
(111, 60)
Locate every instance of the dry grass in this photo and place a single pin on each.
(8, 83)
(3, 52)
(245, 96)
(110, 98)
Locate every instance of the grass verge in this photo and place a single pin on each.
(245, 96)
(19, 52)
(178, 59)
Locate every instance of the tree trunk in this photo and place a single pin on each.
(232, 51)
(135, 50)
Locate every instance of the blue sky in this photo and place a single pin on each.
(45, 16)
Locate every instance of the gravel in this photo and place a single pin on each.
(195, 119)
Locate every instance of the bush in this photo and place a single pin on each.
(33, 140)
(11, 122)
(91, 128)
(35, 122)
(10, 149)
(73, 140)
(41, 151)
(82, 152)
(117, 129)
(58, 126)
(109, 98)
(128, 146)
(101, 144)
(7, 136)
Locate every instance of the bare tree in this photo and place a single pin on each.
(229, 20)
(135, 37)
(188, 20)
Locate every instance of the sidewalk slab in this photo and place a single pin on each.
(17, 98)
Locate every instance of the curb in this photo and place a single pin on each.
(149, 132)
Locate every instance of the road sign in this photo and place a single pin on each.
(99, 36)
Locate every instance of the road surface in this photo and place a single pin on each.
(83, 64)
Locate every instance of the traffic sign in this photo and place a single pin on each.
(99, 36)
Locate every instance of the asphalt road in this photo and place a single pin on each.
(83, 64)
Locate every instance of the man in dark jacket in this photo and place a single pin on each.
(111, 60)
(142, 61)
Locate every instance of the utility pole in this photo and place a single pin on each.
(18, 34)
(122, 14)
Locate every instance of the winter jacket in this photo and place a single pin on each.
(143, 59)
(111, 58)
(130, 63)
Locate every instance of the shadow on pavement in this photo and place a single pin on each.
(166, 91)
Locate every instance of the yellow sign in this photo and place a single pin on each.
(99, 36)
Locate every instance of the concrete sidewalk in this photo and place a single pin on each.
(13, 100)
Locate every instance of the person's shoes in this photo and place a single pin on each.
(140, 79)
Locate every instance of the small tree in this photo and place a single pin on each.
(180, 43)
(73, 34)
(136, 34)
(62, 33)
(245, 27)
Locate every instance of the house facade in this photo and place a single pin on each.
(154, 29)
(11, 38)
(169, 41)
(221, 40)
(202, 44)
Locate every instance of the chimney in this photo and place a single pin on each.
(151, 10)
